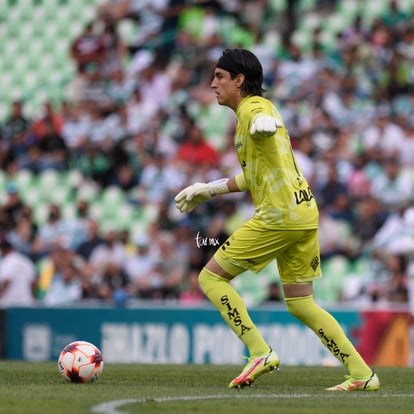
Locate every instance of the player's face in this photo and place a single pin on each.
(227, 90)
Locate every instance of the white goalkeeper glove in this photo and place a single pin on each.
(265, 125)
(189, 198)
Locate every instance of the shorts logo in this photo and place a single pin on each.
(227, 243)
(315, 263)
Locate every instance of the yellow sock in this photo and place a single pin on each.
(330, 333)
(233, 310)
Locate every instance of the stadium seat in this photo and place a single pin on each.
(25, 47)
(121, 218)
(32, 196)
(350, 7)
(49, 180)
(4, 110)
(96, 210)
(41, 212)
(24, 179)
(88, 190)
(278, 5)
(127, 29)
(62, 195)
(68, 210)
(38, 17)
(112, 196)
(306, 5)
(73, 178)
(3, 181)
(334, 270)
(377, 8)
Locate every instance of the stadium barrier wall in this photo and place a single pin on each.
(169, 334)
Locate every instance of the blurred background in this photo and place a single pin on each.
(106, 113)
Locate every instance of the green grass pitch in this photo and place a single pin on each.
(38, 388)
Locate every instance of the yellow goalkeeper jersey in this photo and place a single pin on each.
(280, 193)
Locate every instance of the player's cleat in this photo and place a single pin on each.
(370, 383)
(255, 368)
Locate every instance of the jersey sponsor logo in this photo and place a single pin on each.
(233, 315)
(303, 196)
(332, 346)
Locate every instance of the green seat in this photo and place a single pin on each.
(3, 182)
(31, 196)
(50, 8)
(24, 179)
(96, 211)
(69, 209)
(375, 9)
(306, 5)
(61, 195)
(4, 109)
(87, 190)
(127, 30)
(351, 7)
(112, 196)
(73, 178)
(121, 217)
(278, 5)
(49, 180)
(335, 271)
(40, 211)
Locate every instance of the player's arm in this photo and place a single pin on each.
(189, 198)
(264, 125)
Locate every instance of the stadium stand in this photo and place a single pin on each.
(352, 59)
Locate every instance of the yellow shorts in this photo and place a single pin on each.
(252, 247)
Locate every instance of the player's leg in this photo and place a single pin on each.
(298, 293)
(215, 283)
(215, 280)
(333, 337)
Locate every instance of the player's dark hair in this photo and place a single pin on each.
(243, 61)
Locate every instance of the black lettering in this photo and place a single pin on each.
(237, 321)
(303, 196)
(234, 314)
(332, 346)
(224, 300)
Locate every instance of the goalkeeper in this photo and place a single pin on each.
(284, 227)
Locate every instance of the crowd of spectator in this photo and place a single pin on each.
(142, 117)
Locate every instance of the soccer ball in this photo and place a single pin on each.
(80, 361)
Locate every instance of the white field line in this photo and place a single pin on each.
(111, 407)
